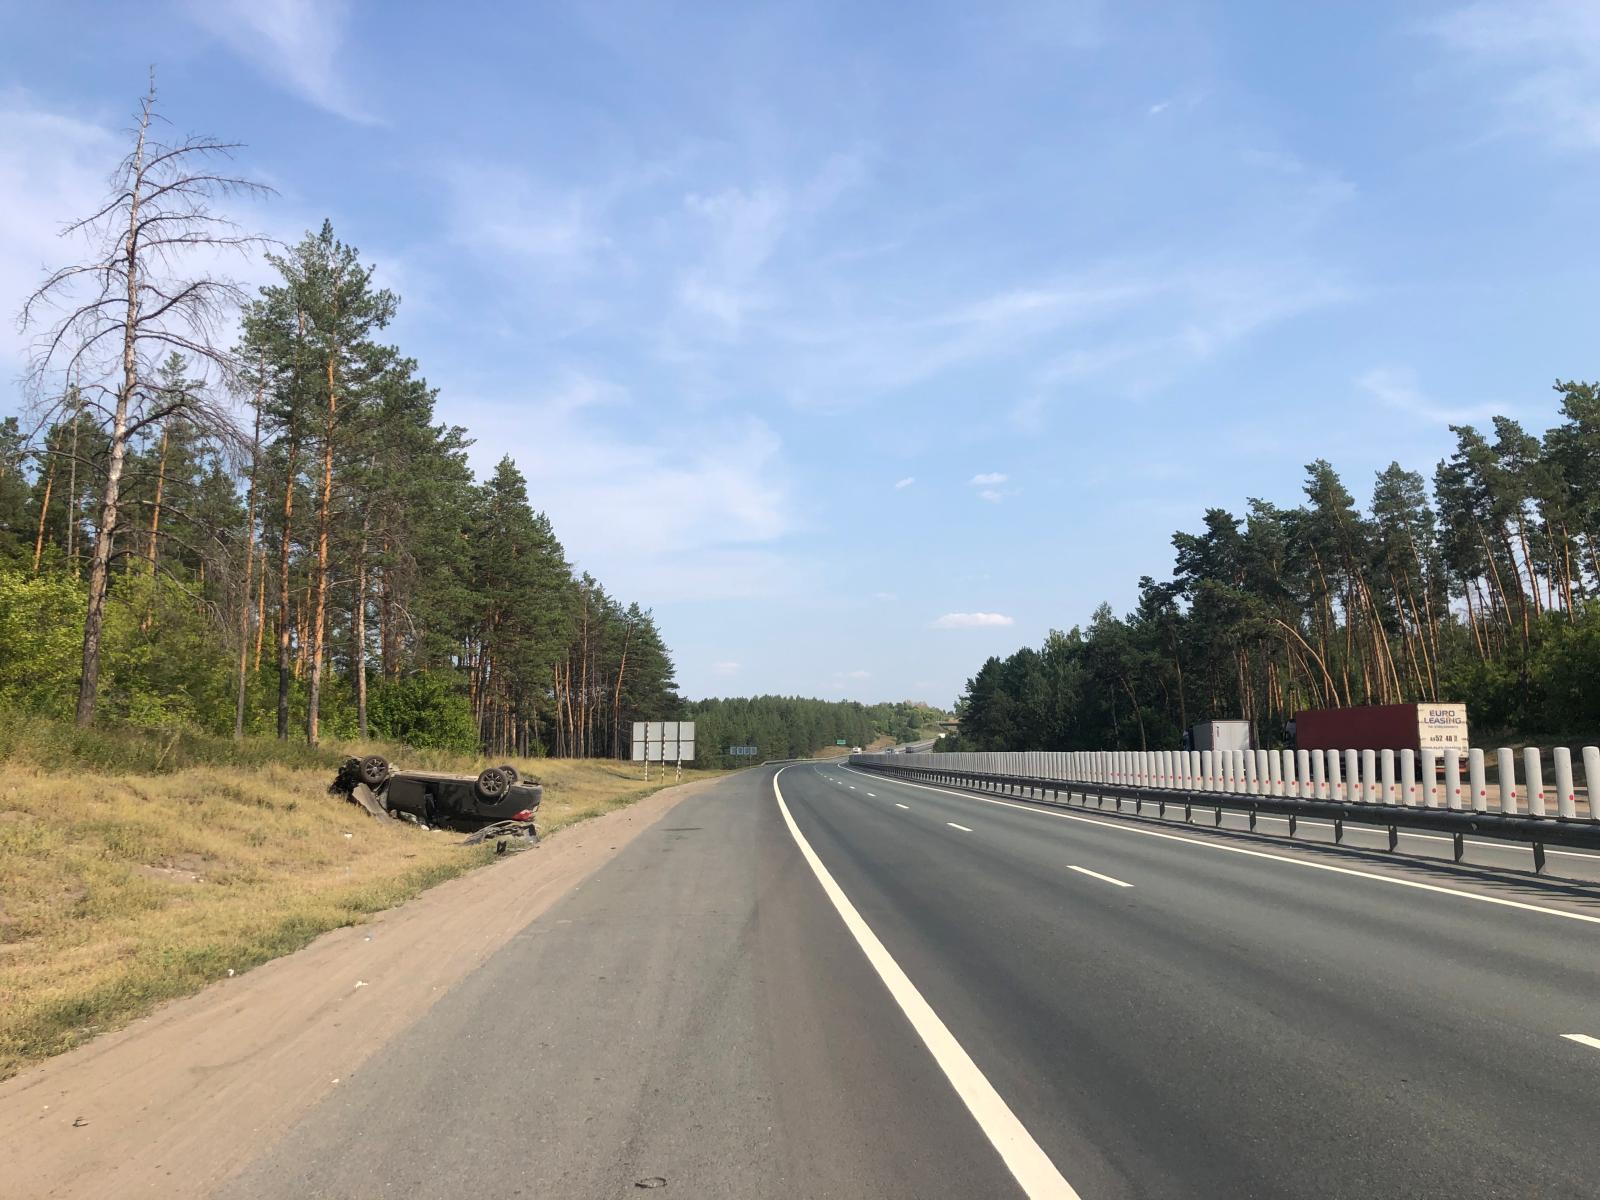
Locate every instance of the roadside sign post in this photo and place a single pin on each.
(663, 742)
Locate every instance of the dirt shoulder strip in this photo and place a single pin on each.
(176, 1102)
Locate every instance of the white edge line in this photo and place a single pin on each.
(1584, 1039)
(1097, 875)
(953, 825)
(1029, 1165)
(1297, 862)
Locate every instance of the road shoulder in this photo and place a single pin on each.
(173, 1104)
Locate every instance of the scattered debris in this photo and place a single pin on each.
(360, 983)
(230, 972)
(654, 1181)
(79, 1122)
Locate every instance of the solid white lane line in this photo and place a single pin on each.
(953, 825)
(1583, 1039)
(1097, 875)
(897, 804)
(1029, 1165)
(1128, 827)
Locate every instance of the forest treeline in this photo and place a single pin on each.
(240, 511)
(796, 727)
(1486, 592)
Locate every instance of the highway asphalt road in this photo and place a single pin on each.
(868, 988)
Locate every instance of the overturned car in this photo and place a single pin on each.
(495, 802)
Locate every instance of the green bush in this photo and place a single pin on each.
(423, 710)
(41, 641)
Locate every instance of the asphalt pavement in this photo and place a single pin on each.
(832, 983)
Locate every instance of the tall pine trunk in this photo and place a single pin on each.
(319, 614)
(249, 566)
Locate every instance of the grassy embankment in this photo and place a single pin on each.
(153, 864)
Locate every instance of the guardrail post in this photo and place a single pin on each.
(1591, 777)
(1386, 772)
(1533, 768)
(1334, 783)
(1475, 781)
(1430, 778)
(1369, 782)
(1208, 769)
(1452, 778)
(1319, 774)
(1352, 776)
(1252, 772)
(1507, 763)
(1408, 778)
(1566, 795)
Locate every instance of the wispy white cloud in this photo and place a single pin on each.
(992, 496)
(1397, 388)
(1541, 58)
(901, 484)
(300, 44)
(687, 509)
(987, 479)
(972, 620)
(504, 212)
(52, 168)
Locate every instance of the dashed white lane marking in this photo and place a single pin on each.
(1029, 1165)
(1120, 827)
(907, 807)
(953, 825)
(1583, 1039)
(874, 795)
(1097, 875)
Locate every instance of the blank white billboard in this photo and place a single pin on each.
(663, 741)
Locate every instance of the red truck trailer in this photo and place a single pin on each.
(1383, 727)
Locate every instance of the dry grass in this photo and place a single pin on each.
(118, 891)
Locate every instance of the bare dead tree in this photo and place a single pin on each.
(147, 287)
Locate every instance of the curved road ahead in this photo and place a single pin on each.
(869, 988)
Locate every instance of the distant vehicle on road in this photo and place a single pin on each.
(1383, 727)
(1220, 735)
(855, 749)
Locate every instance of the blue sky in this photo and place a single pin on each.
(861, 340)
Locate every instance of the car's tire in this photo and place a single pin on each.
(374, 770)
(510, 772)
(491, 786)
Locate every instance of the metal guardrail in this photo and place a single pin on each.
(1459, 824)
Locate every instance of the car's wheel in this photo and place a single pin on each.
(491, 786)
(374, 770)
(510, 772)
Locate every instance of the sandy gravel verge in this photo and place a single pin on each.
(175, 1103)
